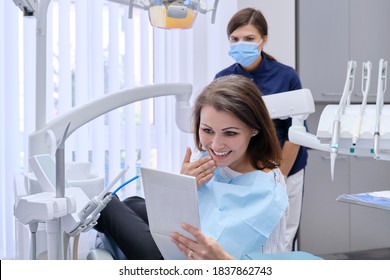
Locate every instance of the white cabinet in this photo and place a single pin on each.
(370, 227)
(334, 31)
(329, 226)
(323, 49)
(325, 222)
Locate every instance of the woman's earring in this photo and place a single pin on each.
(255, 133)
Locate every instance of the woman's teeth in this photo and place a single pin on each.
(221, 154)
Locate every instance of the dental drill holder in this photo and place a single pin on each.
(364, 145)
(77, 211)
(358, 129)
(57, 206)
(50, 207)
(44, 206)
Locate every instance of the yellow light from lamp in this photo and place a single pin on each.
(158, 17)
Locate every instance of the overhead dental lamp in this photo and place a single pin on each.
(171, 14)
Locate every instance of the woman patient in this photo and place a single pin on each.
(243, 203)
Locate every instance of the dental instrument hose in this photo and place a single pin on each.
(108, 198)
(97, 207)
(95, 202)
(124, 184)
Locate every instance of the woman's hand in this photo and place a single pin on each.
(202, 169)
(203, 248)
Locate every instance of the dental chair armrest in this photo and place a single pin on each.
(99, 254)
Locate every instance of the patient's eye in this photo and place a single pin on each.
(207, 130)
(230, 133)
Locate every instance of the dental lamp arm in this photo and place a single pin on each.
(290, 103)
(145, 5)
(203, 9)
(28, 7)
(214, 14)
(299, 135)
(41, 30)
(132, 4)
(83, 114)
(297, 104)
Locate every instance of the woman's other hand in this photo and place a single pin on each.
(202, 248)
(202, 169)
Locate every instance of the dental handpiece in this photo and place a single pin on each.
(366, 79)
(96, 201)
(335, 136)
(334, 146)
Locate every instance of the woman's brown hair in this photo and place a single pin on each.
(239, 96)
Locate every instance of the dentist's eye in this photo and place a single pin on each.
(249, 39)
(233, 40)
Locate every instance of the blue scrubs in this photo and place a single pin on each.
(273, 77)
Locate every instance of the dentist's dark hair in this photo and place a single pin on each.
(240, 97)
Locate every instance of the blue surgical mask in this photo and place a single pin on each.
(244, 53)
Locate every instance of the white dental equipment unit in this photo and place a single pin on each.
(357, 129)
(63, 210)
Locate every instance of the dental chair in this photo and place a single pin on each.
(300, 104)
(106, 249)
